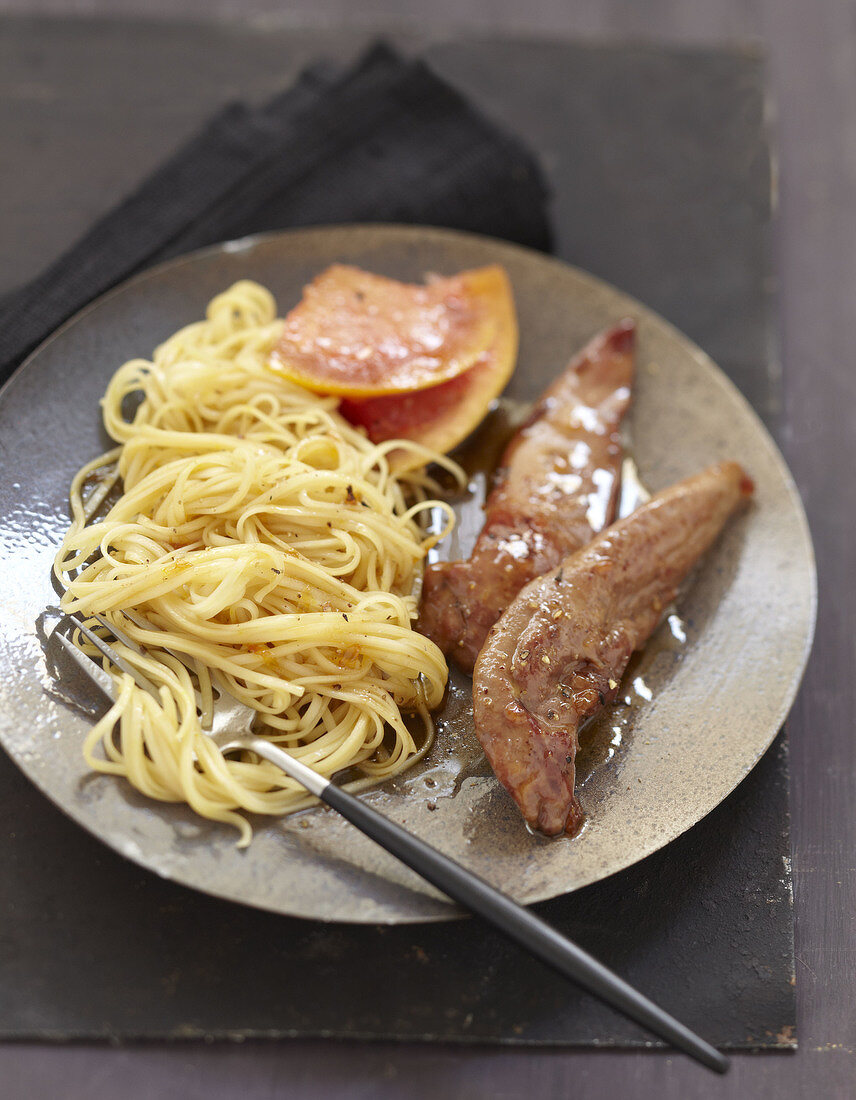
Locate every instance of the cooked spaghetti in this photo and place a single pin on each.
(260, 545)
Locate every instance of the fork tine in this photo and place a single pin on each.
(119, 634)
(144, 624)
(99, 676)
(108, 651)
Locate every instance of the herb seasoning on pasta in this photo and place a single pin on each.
(260, 544)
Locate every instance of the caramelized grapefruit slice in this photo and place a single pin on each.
(442, 416)
(361, 335)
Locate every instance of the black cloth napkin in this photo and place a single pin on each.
(385, 140)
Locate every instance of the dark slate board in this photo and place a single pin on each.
(660, 163)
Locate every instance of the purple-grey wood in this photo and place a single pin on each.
(812, 51)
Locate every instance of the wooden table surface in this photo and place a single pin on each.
(812, 58)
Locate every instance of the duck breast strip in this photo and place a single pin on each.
(557, 486)
(557, 654)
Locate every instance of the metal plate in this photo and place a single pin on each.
(648, 771)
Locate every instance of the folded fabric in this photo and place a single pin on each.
(387, 140)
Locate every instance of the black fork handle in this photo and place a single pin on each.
(520, 925)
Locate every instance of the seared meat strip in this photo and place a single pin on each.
(557, 654)
(558, 486)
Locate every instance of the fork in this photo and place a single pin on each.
(231, 730)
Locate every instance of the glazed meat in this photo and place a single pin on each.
(557, 654)
(557, 487)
